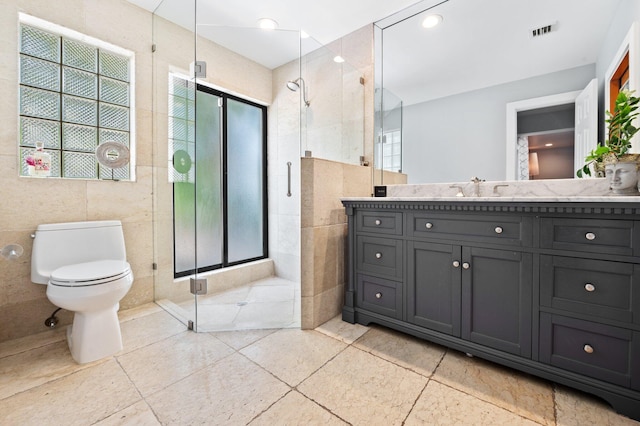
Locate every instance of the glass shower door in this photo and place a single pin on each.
(173, 154)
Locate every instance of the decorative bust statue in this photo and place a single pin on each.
(623, 177)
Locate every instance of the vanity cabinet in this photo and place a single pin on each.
(482, 295)
(551, 289)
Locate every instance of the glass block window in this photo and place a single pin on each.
(74, 95)
(182, 129)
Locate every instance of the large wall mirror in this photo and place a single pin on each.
(494, 82)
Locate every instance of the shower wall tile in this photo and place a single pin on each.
(287, 266)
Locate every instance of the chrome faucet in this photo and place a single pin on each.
(476, 180)
(495, 189)
(460, 192)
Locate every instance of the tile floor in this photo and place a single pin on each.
(268, 303)
(337, 374)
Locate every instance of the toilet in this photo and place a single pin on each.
(84, 267)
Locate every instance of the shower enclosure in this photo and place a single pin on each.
(224, 216)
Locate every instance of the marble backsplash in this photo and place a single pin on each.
(531, 188)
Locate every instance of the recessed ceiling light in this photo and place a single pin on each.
(339, 59)
(431, 21)
(267, 24)
(548, 144)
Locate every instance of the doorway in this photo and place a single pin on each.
(584, 125)
(546, 138)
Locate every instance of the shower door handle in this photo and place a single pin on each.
(288, 178)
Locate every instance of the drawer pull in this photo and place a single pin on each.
(588, 349)
(589, 287)
(378, 255)
(428, 225)
(498, 229)
(378, 222)
(378, 295)
(590, 236)
(456, 264)
(466, 265)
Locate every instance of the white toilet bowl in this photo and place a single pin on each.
(92, 290)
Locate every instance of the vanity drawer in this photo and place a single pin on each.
(511, 230)
(595, 350)
(592, 287)
(590, 235)
(380, 296)
(371, 221)
(379, 256)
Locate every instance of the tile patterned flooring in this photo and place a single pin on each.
(337, 374)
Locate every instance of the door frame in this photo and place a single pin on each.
(513, 108)
(630, 44)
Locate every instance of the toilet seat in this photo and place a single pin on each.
(90, 273)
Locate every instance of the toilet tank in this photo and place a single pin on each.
(61, 244)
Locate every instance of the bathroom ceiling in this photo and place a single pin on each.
(223, 21)
(479, 44)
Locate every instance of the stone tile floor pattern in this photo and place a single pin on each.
(337, 374)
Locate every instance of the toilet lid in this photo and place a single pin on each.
(90, 273)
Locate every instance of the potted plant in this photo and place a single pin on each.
(621, 129)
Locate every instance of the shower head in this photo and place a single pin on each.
(293, 85)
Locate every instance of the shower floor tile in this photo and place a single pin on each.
(270, 303)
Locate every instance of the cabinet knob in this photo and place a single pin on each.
(378, 295)
(378, 255)
(590, 236)
(588, 349)
(428, 225)
(498, 229)
(456, 264)
(378, 222)
(589, 287)
(466, 265)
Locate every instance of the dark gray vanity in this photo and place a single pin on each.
(546, 287)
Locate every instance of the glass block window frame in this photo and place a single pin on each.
(75, 92)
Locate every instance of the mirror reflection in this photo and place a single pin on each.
(496, 81)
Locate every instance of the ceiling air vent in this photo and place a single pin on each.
(540, 31)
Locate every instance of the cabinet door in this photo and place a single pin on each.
(433, 286)
(496, 299)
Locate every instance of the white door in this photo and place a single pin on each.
(586, 131)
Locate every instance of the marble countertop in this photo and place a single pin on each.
(538, 191)
(509, 199)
